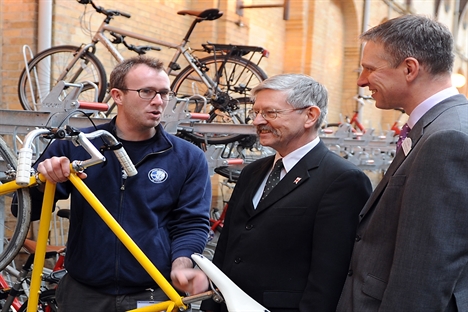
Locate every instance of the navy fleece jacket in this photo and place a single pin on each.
(164, 209)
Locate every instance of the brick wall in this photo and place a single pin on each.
(18, 26)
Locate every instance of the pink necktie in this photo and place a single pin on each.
(403, 134)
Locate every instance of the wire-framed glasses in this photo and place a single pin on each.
(149, 94)
(272, 114)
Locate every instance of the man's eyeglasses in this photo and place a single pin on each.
(149, 94)
(272, 114)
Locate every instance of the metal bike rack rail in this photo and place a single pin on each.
(61, 107)
(368, 151)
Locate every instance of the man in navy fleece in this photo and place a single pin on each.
(164, 208)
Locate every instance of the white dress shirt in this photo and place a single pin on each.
(289, 161)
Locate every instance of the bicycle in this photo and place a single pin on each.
(14, 293)
(21, 178)
(50, 277)
(225, 77)
(5, 290)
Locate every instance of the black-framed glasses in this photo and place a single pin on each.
(149, 94)
(272, 114)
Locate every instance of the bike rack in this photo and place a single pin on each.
(367, 151)
(26, 49)
(57, 110)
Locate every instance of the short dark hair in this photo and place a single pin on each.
(425, 39)
(117, 77)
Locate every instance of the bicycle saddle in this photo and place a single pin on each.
(30, 247)
(230, 172)
(209, 14)
(236, 299)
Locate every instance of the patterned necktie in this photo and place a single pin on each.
(403, 134)
(273, 178)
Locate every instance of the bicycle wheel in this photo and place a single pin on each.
(14, 229)
(47, 302)
(235, 78)
(45, 69)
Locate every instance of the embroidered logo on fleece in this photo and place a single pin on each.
(157, 175)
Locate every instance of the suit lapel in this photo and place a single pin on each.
(383, 183)
(297, 176)
(415, 134)
(262, 167)
(397, 161)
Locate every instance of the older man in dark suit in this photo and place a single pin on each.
(290, 249)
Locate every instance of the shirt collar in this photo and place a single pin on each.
(429, 103)
(290, 160)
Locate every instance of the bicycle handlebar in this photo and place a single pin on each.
(23, 172)
(104, 107)
(108, 13)
(83, 139)
(78, 138)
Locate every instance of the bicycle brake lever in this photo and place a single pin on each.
(143, 49)
(72, 131)
(57, 133)
(117, 38)
(149, 48)
(107, 147)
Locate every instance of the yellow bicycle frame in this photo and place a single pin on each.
(175, 300)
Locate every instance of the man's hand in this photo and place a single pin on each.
(56, 169)
(187, 279)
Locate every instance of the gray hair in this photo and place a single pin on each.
(423, 38)
(301, 90)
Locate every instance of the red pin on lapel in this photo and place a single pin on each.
(297, 180)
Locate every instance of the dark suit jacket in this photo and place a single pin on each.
(292, 252)
(412, 248)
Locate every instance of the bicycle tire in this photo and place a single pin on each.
(59, 57)
(47, 302)
(15, 229)
(235, 77)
